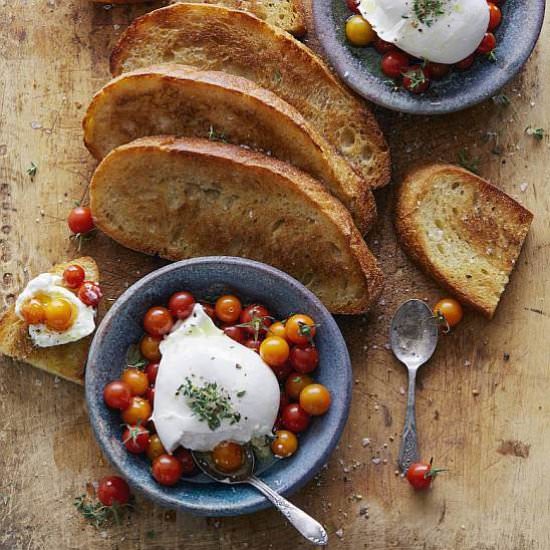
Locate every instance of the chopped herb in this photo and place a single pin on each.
(214, 136)
(427, 11)
(492, 56)
(32, 169)
(537, 133)
(241, 393)
(237, 366)
(416, 77)
(134, 358)
(98, 514)
(209, 402)
(468, 162)
(501, 99)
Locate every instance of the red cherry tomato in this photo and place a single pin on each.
(150, 395)
(167, 469)
(187, 462)
(381, 46)
(395, 63)
(294, 418)
(436, 71)
(282, 372)
(80, 220)
(74, 276)
(151, 370)
(256, 318)
(415, 80)
(113, 490)
(158, 321)
(90, 293)
(495, 16)
(304, 360)
(136, 439)
(488, 43)
(284, 401)
(117, 395)
(353, 5)
(209, 310)
(466, 63)
(181, 304)
(421, 474)
(253, 344)
(235, 333)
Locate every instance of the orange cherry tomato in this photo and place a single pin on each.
(300, 329)
(450, 309)
(277, 329)
(136, 379)
(285, 444)
(228, 456)
(495, 16)
(315, 399)
(33, 312)
(295, 383)
(228, 309)
(274, 351)
(155, 448)
(59, 314)
(158, 321)
(149, 348)
(138, 412)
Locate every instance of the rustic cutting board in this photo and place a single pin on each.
(483, 409)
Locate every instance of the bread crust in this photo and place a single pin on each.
(217, 38)
(419, 183)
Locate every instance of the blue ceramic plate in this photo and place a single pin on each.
(360, 67)
(208, 278)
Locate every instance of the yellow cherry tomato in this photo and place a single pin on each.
(359, 31)
(277, 329)
(284, 444)
(155, 447)
(451, 311)
(300, 329)
(33, 312)
(149, 348)
(58, 314)
(228, 309)
(315, 399)
(138, 412)
(136, 379)
(274, 351)
(228, 456)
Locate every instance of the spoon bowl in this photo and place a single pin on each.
(242, 475)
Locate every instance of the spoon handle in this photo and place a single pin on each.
(408, 453)
(305, 524)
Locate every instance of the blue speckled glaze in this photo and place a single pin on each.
(207, 278)
(360, 67)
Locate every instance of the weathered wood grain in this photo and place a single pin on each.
(483, 409)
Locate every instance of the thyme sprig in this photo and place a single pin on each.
(98, 514)
(134, 358)
(427, 11)
(537, 133)
(32, 169)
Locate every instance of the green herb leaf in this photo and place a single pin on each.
(427, 11)
(537, 133)
(134, 358)
(241, 393)
(98, 514)
(32, 169)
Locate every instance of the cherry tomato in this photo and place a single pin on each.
(450, 309)
(282, 372)
(381, 46)
(488, 43)
(158, 321)
(353, 5)
(359, 31)
(209, 310)
(495, 16)
(113, 490)
(80, 220)
(300, 329)
(315, 399)
(395, 63)
(421, 474)
(285, 444)
(228, 456)
(295, 383)
(284, 401)
(252, 344)
(256, 318)
(136, 439)
(150, 395)
(90, 293)
(274, 351)
(187, 462)
(138, 412)
(117, 395)
(136, 379)
(235, 333)
(167, 469)
(155, 447)
(436, 71)
(277, 329)
(149, 348)
(33, 312)
(466, 63)
(304, 360)
(295, 418)
(228, 309)
(58, 314)
(415, 80)
(181, 304)
(151, 370)
(74, 276)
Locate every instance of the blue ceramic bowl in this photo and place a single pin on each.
(208, 278)
(360, 67)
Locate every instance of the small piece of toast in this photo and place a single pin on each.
(67, 360)
(462, 231)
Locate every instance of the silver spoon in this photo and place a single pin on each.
(413, 337)
(305, 524)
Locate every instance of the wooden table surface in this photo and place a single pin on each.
(483, 407)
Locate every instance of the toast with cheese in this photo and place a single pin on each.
(462, 231)
(221, 39)
(181, 101)
(67, 360)
(187, 197)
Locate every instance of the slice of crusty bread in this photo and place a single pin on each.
(186, 197)
(220, 39)
(182, 101)
(66, 361)
(463, 231)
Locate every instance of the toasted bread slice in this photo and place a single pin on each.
(463, 231)
(67, 360)
(220, 39)
(182, 101)
(186, 197)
